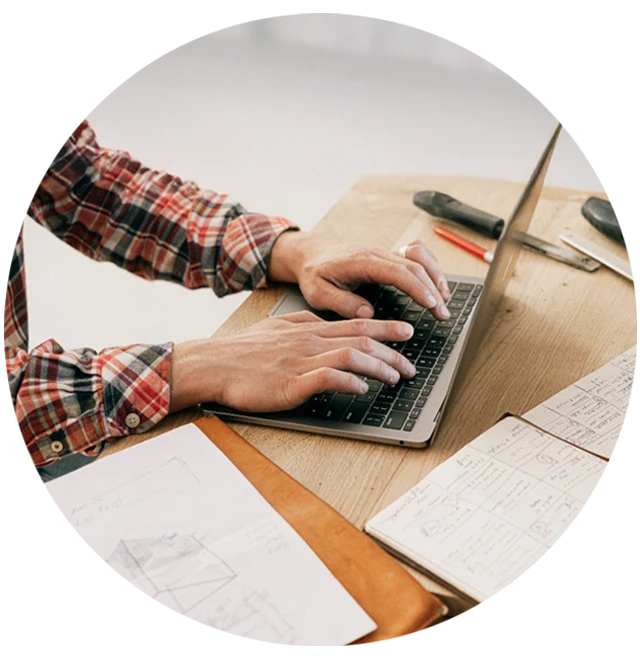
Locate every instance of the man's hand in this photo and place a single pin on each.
(327, 272)
(279, 363)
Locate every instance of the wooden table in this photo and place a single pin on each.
(555, 325)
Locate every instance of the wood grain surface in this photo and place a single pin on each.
(555, 325)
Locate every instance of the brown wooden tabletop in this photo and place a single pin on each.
(555, 325)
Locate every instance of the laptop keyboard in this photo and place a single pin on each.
(399, 406)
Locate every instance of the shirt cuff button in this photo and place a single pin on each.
(56, 446)
(132, 420)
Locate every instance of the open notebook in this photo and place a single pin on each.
(480, 519)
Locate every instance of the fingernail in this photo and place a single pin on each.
(395, 376)
(364, 312)
(444, 289)
(406, 330)
(411, 370)
(363, 386)
(431, 301)
(444, 312)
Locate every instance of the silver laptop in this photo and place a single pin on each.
(409, 412)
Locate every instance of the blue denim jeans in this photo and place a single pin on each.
(64, 466)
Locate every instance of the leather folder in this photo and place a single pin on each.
(384, 589)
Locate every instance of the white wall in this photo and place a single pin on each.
(285, 114)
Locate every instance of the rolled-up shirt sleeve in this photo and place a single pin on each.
(77, 401)
(110, 207)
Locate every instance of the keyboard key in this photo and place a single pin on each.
(386, 397)
(423, 373)
(455, 304)
(464, 287)
(451, 286)
(369, 397)
(403, 405)
(477, 290)
(441, 332)
(426, 362)
(380, 408)
(409, 426)
(374, 385)
(426, 323)
(460, 295)
(436, 370)
(432, 380)
(431, 352)
(415, 413)
(408, 394)
(415, 383)
(415, 307)
(395, 420)
(443, 359)
(446, 324)
(455, 313)
(457, 330)
(435, 342)
(403, 299)
(356, 412)
(411, 317)
(415, 344)
(411, 355)
(338, 406)
(373, 420)
(426, 391)
(420, 401)
(397, 310)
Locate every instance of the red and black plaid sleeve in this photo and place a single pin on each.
(112, 208)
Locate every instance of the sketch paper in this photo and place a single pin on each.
(589, 413)
(176, 518)
(484, 516)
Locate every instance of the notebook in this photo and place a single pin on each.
(484, 516)
(179, 521)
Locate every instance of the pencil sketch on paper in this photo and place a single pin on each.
(180, 571)
(175, 569)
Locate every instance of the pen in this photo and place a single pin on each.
(476, 250)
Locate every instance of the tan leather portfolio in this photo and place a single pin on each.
(383, 588)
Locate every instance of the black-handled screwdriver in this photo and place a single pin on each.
(442, 205)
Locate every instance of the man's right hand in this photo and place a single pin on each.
(279, 363)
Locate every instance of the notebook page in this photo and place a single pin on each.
(177, 519)
(590, 413)
(484, 516)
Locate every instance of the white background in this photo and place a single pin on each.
(62, 60)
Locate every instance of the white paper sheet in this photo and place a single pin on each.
(480, 519)
(590, 413)
(178, 520)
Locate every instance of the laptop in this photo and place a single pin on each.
(409, 412)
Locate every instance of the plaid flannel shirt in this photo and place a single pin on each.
(111, 208)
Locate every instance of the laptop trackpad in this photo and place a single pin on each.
(293, 301)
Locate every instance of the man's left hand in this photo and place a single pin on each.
(328, 271)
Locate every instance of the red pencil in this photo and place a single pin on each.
(474, 249)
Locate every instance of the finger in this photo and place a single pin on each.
(419, 271)
(355, 361)
(345, 303)
(376, 350)
(420, 253)
(326, 379)
(374, 328)
(389, 271)
(303, 316)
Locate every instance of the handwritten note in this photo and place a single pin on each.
(179, 521)
(590, 413)
(483, 517)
